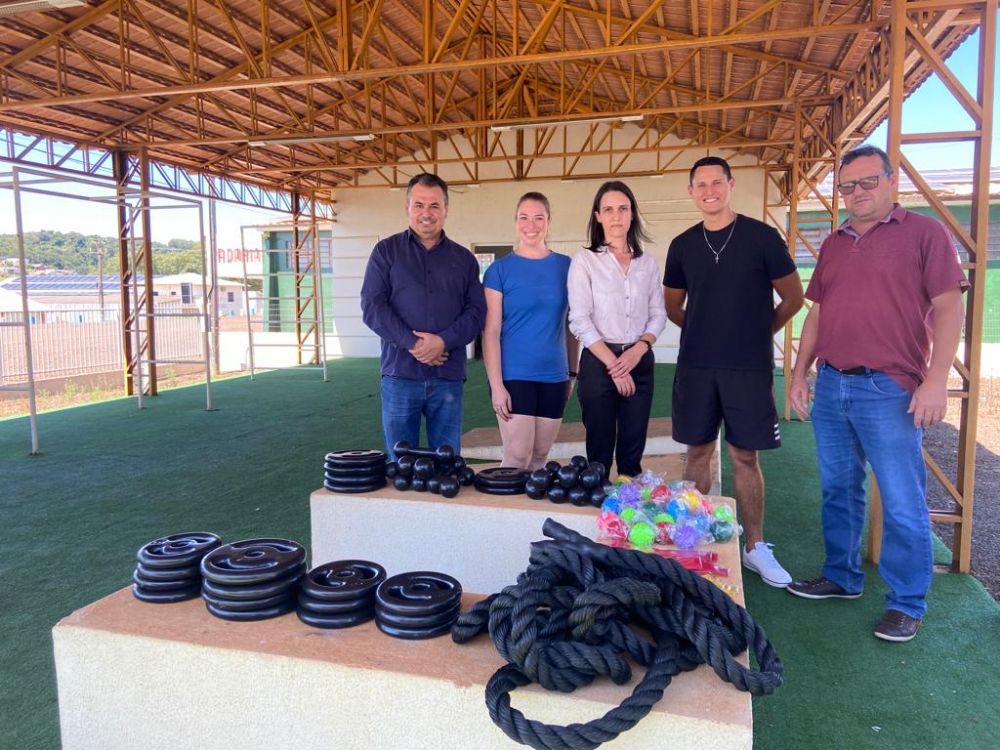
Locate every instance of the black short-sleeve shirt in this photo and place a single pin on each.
(730, 303)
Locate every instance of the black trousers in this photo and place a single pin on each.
(616, 426)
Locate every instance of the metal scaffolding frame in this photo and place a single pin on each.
(135, 251)
(306, 275)
(881, 86)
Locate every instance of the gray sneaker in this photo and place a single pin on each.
(761, 560)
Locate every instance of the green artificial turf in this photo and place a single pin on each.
(110, 478)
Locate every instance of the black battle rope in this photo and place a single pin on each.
(581, 608)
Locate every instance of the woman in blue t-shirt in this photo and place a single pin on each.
(527, 352)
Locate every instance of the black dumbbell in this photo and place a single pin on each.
(449, 487)
(423, 468)
(569, 476)
(404, 466)
(443, 453)
(542, 478)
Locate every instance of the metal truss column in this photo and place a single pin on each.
(135, 256)
(305, 266)
(907, 36)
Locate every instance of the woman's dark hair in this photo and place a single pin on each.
(636, 232)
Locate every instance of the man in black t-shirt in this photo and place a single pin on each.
(719, 284)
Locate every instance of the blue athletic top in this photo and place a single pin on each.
(535, 301)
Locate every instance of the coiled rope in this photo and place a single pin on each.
(581, 609)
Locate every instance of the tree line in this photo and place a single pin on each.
(73, 252)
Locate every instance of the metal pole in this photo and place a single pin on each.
(32, 404)
(214, 280)
(246, 296)
(206, 320)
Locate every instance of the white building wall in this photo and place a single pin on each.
(484, 214)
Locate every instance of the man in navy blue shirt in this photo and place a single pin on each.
(422, 296)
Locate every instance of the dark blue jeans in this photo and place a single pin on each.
(405, 401)
(858, 418)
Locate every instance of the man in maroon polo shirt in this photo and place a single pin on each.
(890, 286)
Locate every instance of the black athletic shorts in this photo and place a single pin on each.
(743, 400)
(536, 399)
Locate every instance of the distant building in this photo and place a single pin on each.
(67, 290)
(952, 186)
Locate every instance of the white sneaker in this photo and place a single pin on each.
(761, 560)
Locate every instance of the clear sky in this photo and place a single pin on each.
(930, 108)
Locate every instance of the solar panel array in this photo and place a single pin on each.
(63, 283)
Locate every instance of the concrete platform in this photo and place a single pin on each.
(134, 675)
(418, 531)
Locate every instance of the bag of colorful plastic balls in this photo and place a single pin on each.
(648, 510)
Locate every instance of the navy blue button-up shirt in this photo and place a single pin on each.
(409, 288)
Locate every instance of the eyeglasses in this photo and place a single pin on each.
(866, 183)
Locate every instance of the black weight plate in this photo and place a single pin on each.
(254, 614)
(256, 590)
(322, 607)
(487, 490)
(247, 605)
(503, 476)
(350, 468)
(252, 561)
(334, 621)
(353, 472)
(413, 635)
(168, 574)
(354, 458)
(354, 489)
(177, 550)
(163, 585)
(343, 580)
(336, 479)
(165, 597)
(418, 621)
(421, 592)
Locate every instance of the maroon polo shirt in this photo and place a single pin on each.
(876, 292)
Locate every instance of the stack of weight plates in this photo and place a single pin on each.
(168, 568)
(253, 579)
(417, 605)
(354, 471)
(340, 594)
(501, 481)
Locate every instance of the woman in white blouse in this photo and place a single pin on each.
(616, 311)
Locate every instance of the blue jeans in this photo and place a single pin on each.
(404, 401)
(859, 417)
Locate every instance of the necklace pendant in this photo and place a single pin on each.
(716, 260)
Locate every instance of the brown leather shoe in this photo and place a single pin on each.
(896, 626)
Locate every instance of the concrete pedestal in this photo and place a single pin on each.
(482, 540)
(135, 675)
